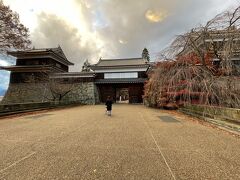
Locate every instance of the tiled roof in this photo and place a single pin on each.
(58, 52)
(121, 62)
(118, 81)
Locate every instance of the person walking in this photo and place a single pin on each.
(109, 106)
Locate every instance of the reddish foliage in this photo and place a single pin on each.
(164, 90)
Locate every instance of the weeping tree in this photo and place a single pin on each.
(184, 81)
(13, 34)
(198, 67)
(220, 37)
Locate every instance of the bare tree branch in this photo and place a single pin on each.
(13, 34)
(200, 68)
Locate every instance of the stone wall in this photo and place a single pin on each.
(96, 94)
(26, 93)
(217, 113)
(82, 93)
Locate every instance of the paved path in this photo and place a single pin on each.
(135, 143)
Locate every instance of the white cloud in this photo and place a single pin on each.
(3, 63)
(156, 16)
(53, 31)
(122, 41)
(89, 29)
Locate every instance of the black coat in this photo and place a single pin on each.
(109, 105)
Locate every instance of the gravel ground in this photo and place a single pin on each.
(134, 143)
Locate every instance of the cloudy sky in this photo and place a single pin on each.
(90, 29)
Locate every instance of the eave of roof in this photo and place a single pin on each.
(62, 57)
(120, 62)
(120, 81)
(41, 53)
(93, 67)
(73, 75)
(33, 68)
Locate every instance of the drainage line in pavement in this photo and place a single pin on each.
(157, 146)
(15, 163)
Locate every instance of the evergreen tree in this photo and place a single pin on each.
(86, 66)
(145, 54)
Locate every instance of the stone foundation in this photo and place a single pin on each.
(26, 93)
(82, 93)
(218, 113)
